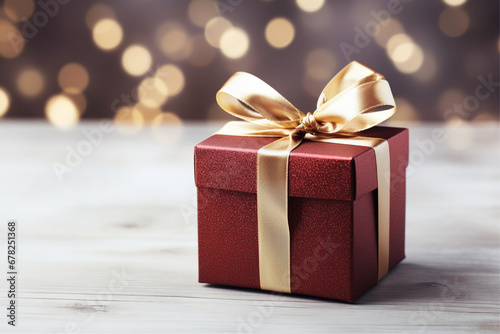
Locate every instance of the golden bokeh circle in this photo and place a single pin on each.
(18, 10)
(172, 77)
(11, 40)
(107, 34)
(98, 12)
(279, 32)
(4, 101)
(61, 111)
(310, 5)
(136, 60)
(174, 41)
(73, 78)
(454, 3)
(30, 82)
(214, 29)
(201, 11)
(320, 64)
(234, 43)
(454, 21)
(152, 92)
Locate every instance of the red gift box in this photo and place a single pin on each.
(332, 213)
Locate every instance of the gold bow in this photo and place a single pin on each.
(356, 99)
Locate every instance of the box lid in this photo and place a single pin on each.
(316, 169)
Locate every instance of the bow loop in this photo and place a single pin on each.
(353, 74)
(249, 98)
(356, 99)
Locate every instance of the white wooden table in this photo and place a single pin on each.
(111, 248)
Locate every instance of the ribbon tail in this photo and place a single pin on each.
(272, 201)
(383, 163)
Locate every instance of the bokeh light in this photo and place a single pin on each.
(406, 55)
(214, 30)
(150, 61)
(413, 63)
(234, 43)
(128, 120)
(30, 82)
(19, 10)
(97, 13)
(152, 92)
(107, 34)
(279, 32)
(80, 102)
(403, 52)
(11, 40)
(73, 78)
(454, 3)
(148, 114)
(62, 112)
(136, 60)
(201, 11)
(320, 64)
(167, 128)
(453, 22)
(485, 117)
(172, 77)
(4, 101)
(310, 5)
(173, 41)
(396, 41)
(391, 27)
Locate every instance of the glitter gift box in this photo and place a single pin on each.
(332, 213)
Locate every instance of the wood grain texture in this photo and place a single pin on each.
(111, 248)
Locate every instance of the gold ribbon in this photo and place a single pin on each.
(356, 99)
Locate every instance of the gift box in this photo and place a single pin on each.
(332, 213)
(310, 204)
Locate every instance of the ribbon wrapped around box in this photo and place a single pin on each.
(303, 203)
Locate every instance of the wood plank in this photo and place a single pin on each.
(112, 248)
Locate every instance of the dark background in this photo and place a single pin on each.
(449, 72)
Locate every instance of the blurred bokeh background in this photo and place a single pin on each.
(149, 62)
